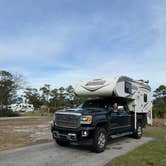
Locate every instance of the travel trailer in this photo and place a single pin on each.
(114, 107)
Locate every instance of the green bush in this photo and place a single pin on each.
(8, 113)
(54, 109)
(159, 113)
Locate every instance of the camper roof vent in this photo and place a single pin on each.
(147, 82)
(142, 81)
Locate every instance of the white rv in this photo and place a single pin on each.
(22, 107)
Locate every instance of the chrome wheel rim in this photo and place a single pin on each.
(101, 140)
(139, 131)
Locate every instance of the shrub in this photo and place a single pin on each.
(8, 113)
(54, 109)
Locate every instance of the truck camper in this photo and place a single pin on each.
(115, 107)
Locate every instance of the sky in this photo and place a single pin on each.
(60, 42)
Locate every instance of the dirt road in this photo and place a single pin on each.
(51, 154)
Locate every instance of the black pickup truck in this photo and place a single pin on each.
(94, 122)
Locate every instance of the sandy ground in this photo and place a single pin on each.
(23, 131)
(159, 122)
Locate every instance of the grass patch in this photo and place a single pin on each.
(150, 154)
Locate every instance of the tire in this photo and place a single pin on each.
(62, 142)
(99, 140)
(138, 133)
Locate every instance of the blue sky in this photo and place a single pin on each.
(63, 41)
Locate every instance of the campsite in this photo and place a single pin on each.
(82, 83)
(27, 129)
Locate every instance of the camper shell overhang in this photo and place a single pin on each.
(118, 86)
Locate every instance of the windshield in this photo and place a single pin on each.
(95, 104)
(104, 103)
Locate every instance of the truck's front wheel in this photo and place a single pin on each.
(99, 140)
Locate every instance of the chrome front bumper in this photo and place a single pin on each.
(69, 136)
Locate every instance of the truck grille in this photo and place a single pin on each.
(67, 120)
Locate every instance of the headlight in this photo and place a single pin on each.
(87, 119)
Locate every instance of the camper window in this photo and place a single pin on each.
(145, 98)
(128, 87)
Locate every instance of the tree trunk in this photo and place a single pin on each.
(1, 106)
(6, 102)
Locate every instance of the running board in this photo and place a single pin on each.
(121, 135)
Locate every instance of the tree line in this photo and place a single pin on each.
(159, 103)
(9, 84)
(45, 97)
(53, 99)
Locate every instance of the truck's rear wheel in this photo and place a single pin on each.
(138, 133)
(100, 140)
(62, 142)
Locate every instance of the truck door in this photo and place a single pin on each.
(125, 122)
(114, 120)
